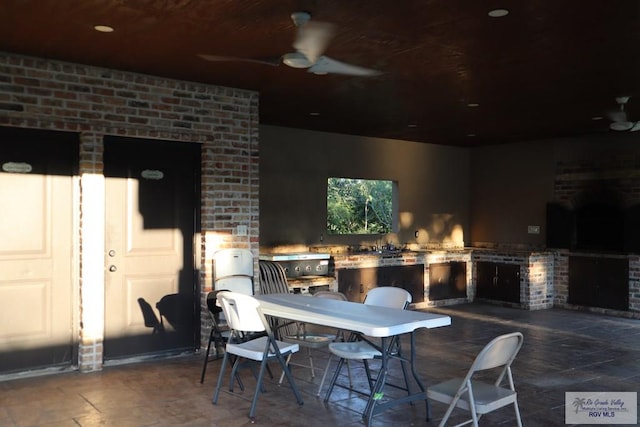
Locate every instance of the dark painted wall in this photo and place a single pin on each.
(512, 184)
(433, 185)
(491, 194)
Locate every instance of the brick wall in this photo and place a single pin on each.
(94, 101)
(539, 283)
(614, 179)
(634, 283)
(618, 175)
(561, 279)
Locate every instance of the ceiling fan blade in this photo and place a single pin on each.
(218, 58)
(635, 127)
(313, 38)
(325, 65)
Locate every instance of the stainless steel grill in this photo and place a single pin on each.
(301, 264)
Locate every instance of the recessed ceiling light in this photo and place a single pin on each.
(471, 135)
(314, 113)
(498, 13)
(412, 125)
(103, 28)
(473, 104)
(597, 118)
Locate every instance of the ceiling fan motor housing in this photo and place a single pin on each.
(300, 18)
(622, 99)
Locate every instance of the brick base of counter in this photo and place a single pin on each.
(542, 276)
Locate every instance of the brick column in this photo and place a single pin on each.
(92, 225)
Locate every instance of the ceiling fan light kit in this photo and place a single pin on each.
(296, 60)
(621, 126)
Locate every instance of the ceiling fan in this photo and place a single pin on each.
(311, 40)
(619, 120)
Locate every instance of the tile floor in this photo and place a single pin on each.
(562, 351)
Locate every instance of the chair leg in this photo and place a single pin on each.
(313, 373)
(326, 371)
(324, 374)
(282, 374)
(234, 372)
(472, 404)
(292, 383)
(368, 371)
(332, 383)
(404, 371)
(259, 389)
(223, 367)
(206, 357)
(519, 421)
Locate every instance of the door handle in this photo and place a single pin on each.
(112, 268)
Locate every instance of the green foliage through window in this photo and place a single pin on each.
(359, 206)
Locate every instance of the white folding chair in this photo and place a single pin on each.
(246, 320)
(358, 349)
(339, 296)
(481, 397)
(232, 271)
(273, 280)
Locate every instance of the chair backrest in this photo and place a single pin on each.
(273, 278)
(331, 295)
(501, 351)
(212, 300)
(233, 270)
(388, 296)
(241, 312)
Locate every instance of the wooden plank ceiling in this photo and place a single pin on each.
(544, 70)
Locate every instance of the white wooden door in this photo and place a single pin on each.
(37, 306)
(150, 288)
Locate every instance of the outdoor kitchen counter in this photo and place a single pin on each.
(387, 258)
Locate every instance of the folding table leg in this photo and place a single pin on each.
(375, 395)
(415, 373)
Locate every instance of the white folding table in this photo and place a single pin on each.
(380, 322)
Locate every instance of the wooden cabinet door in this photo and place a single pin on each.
(356, 282)
(599, 282)
(498, 281)
(447, 280)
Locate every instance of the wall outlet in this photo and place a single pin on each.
(241, 230)
(533, 229)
